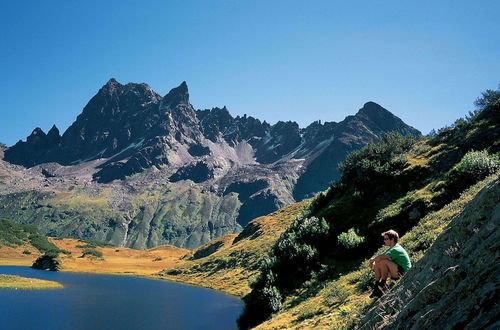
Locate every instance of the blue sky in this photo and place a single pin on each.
(425, 61)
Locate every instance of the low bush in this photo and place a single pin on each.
(92, 253)
(478, 165)
(47, 261)
(292, 260)
(350, 239)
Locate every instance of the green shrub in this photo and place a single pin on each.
(295, 254)
(351, 239)
(273, 297)
(472, 168)
(26, 252)
(383, 157)
(292, 260)
(47, 261)
(478, 164)
(91, 252)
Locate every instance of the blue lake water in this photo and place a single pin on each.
(92, 301)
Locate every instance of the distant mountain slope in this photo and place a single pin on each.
(139, 169)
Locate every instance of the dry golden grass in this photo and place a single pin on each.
(26, 283)
(118, 260)
(14, 256)
(115, 260)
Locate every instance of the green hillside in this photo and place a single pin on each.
(413, 185)
(14, 234)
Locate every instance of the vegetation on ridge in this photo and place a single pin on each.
(14, 234)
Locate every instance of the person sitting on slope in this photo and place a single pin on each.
(394, 262)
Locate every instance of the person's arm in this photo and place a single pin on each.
(378, 259)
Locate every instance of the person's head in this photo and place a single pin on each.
(390, 236)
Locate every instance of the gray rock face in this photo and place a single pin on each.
(128, 138)
(456, 285)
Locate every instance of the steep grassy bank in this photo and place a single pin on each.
(341, 302)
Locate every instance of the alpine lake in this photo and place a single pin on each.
(94, 301)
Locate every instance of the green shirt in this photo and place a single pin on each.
(399, 256)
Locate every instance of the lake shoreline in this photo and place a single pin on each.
(124, 273)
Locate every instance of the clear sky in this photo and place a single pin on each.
(426, 61)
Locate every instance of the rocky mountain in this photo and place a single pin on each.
(132, 155)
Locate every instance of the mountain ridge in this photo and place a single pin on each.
(129, 139)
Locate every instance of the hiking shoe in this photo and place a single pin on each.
(377, 292)
(378, 289)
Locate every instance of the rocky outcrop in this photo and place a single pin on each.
(456, 285)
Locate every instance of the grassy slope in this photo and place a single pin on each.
(418, 199)
(339, 303)
(236, 262)
(25, 283)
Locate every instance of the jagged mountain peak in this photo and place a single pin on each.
(112, 81)
(177, 95)
(53, 130)
(111, 86)
(38, 131)
(384, 119)
(371, 108)
(53, 136)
